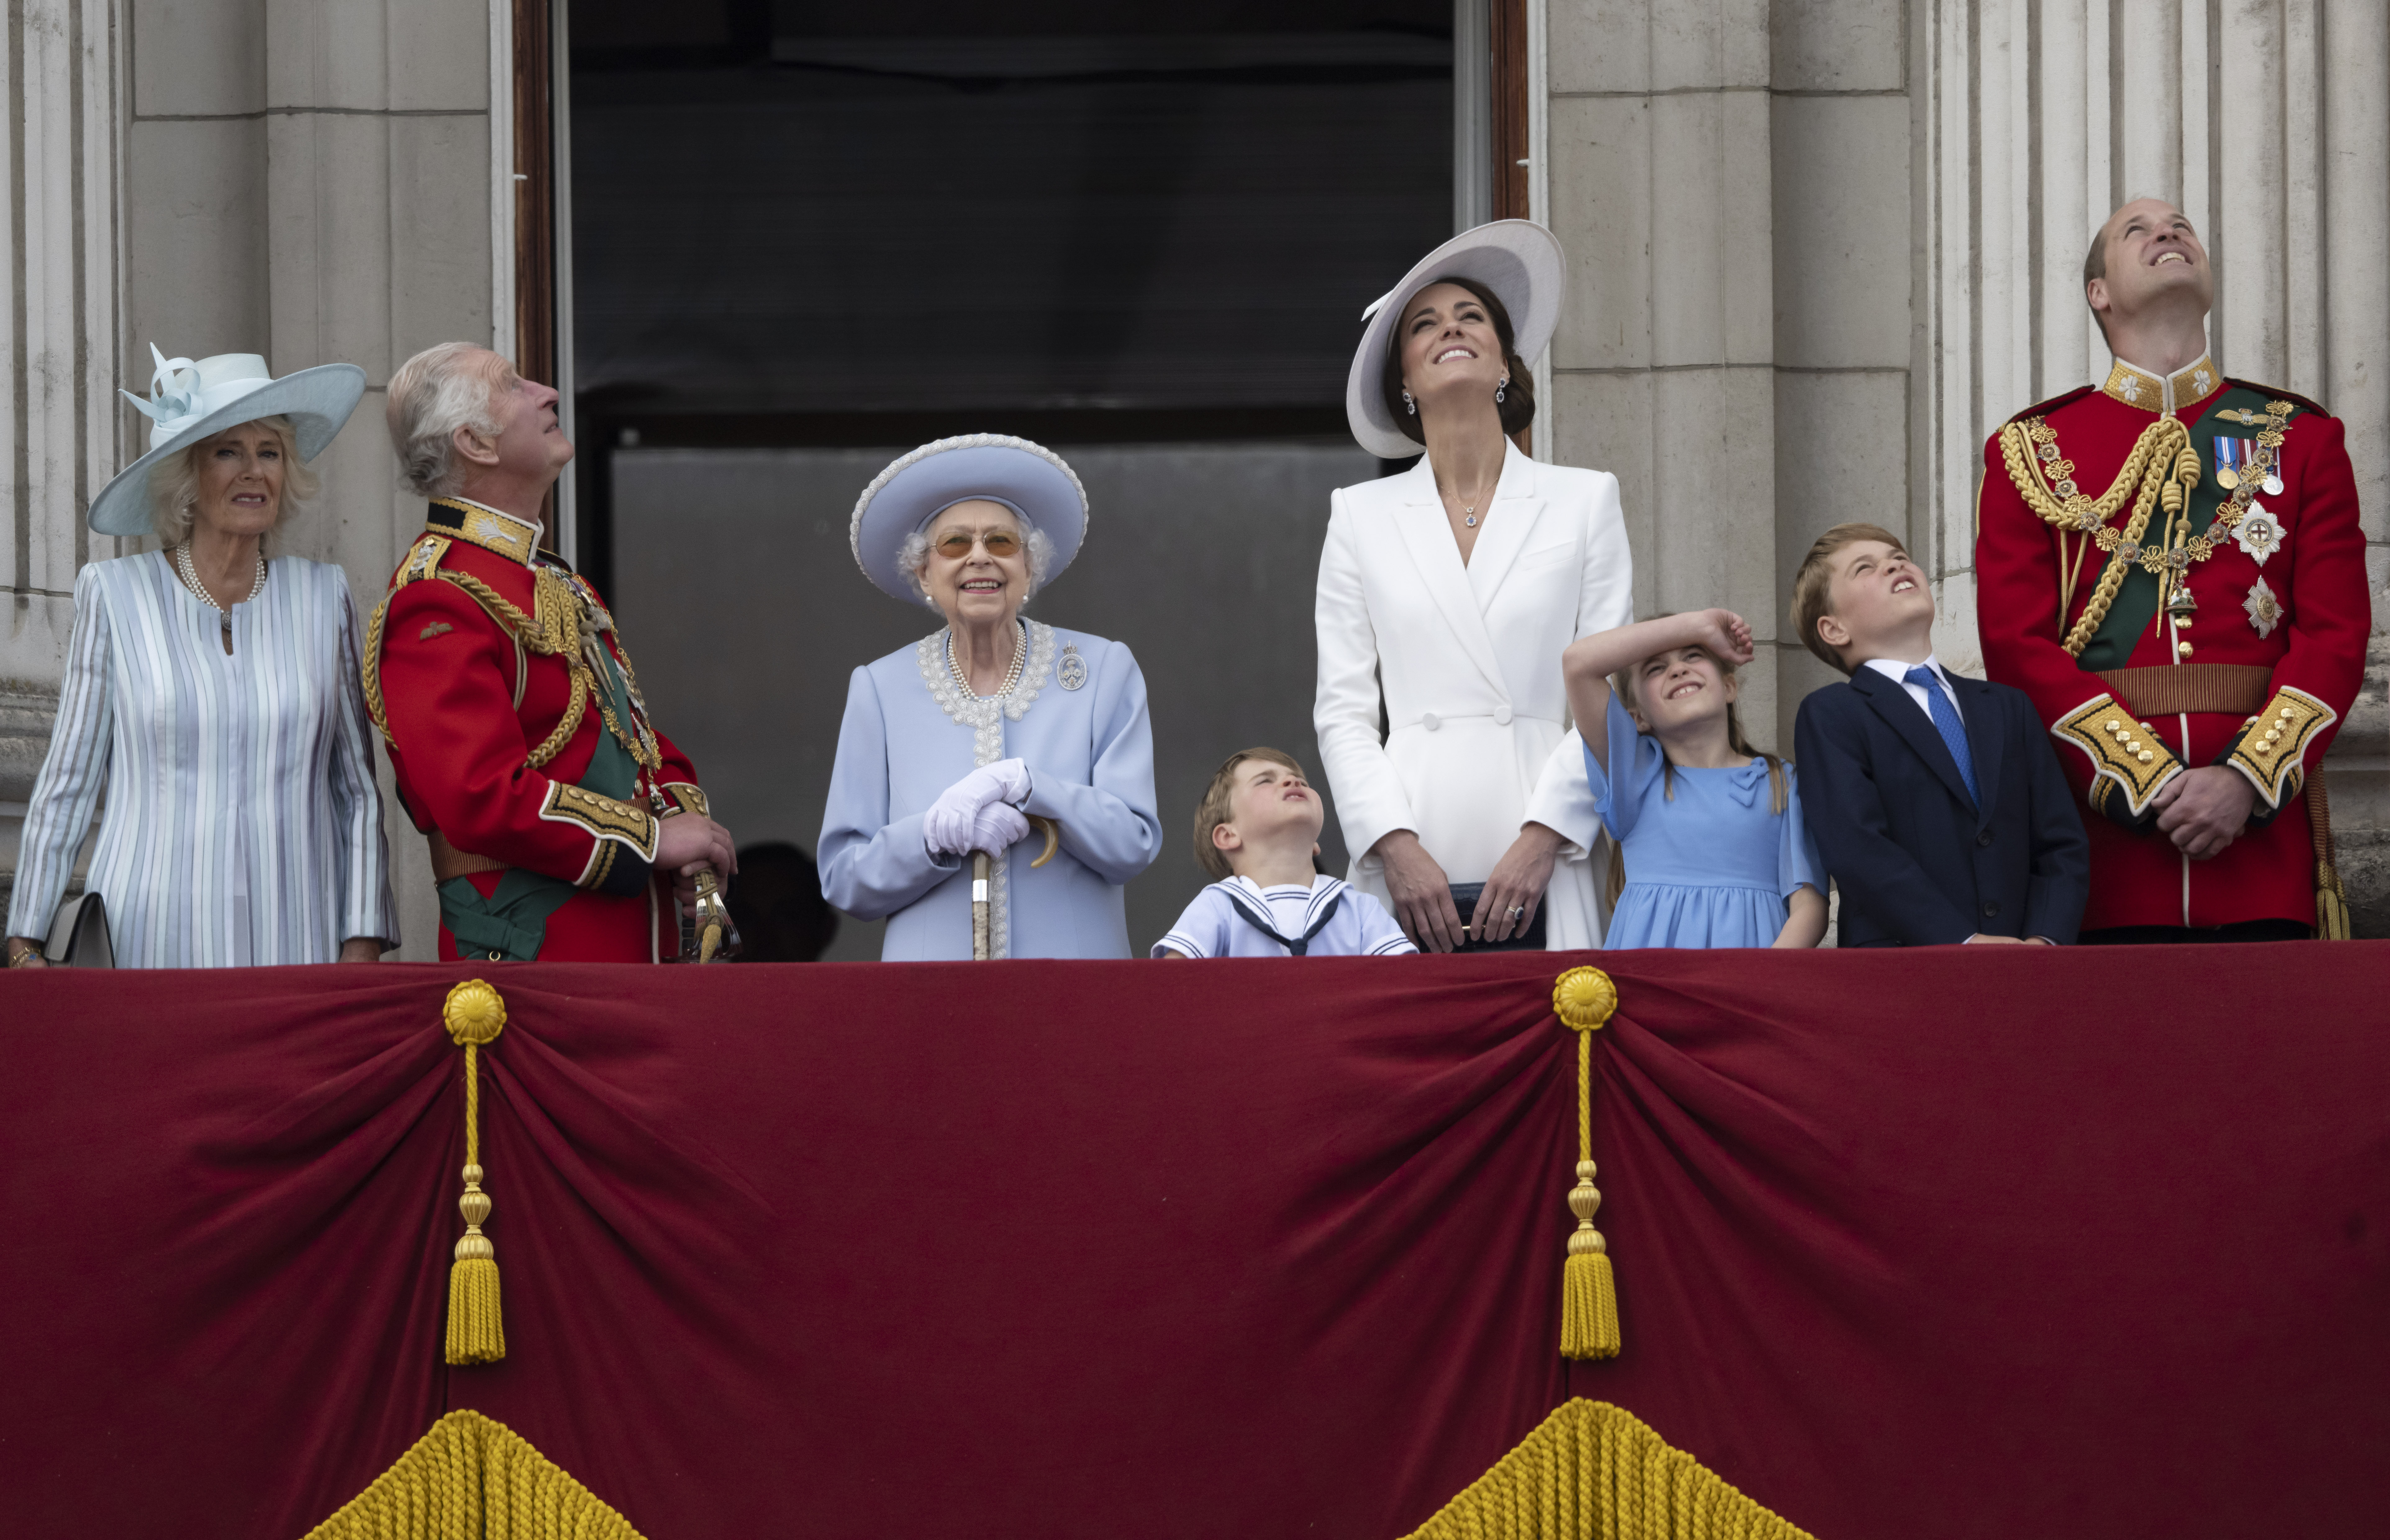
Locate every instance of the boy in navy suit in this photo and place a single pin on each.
(1935, 799)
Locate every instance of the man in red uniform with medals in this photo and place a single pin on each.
(517, 734)
(2170, 565)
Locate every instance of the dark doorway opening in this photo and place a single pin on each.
(808, 236)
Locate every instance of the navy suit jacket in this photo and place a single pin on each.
(1917, 861)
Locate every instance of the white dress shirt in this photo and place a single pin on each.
(1897, 671)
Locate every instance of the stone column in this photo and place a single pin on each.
(1663, 369)
(59, 437)
(1732, 183)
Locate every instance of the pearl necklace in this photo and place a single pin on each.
(1011, 675)
(191, 580)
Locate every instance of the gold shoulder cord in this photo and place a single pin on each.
(553, 630)
(2152, 472)
(2163, 467)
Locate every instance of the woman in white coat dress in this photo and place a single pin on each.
(1446, 595)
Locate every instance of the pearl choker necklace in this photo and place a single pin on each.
(1011, 675)
(191, 580)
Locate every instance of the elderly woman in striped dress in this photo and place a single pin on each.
(211, 690)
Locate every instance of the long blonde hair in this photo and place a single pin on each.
(1779, 787)
(175, 484)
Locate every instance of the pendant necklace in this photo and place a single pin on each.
(1469, 509)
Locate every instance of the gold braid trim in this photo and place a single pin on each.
(2154, 471)
(553, 631)
(1595, 1472)
(473, 1475)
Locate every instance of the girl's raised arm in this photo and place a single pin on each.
(1591, 661)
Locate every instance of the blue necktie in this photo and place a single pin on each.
(1946, 723)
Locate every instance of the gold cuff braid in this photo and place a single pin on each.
(2127, 759)
(2272, 752)
(602, 816)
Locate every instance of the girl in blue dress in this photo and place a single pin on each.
(1714, 851)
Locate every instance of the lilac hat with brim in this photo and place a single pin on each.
(1028, 478)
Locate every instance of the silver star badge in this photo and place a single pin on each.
(2265, 609)
(2259, 534)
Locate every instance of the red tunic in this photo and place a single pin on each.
(2301, 616)
(472, 665)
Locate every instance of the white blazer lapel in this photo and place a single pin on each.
(1428, 536)
(1509, 524)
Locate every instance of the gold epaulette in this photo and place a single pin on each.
(2127, 759)
(422, 561)
(2272, 750)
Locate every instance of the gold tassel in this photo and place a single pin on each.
(2332, 908)
(1584, 998)
(476, 1333)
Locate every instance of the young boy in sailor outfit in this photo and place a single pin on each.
(1257, 832)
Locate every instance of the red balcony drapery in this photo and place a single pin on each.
(1949, 1242)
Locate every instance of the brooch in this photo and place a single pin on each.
(1071, 672)
(2265, 609)
(2260, 533)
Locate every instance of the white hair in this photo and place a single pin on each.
(434, 394)
(913, 559)
(175, 483)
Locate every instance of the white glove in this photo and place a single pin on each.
(949, 827)
(999, 828)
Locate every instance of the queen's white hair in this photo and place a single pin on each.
(913, 559)
(175, 484)
(440, 390)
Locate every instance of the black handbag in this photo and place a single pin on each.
(1464, 899)
(79, 935)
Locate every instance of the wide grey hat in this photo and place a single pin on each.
(192, 400)
(1028, 478)
(1520, 261)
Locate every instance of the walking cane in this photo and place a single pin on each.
(980, 942)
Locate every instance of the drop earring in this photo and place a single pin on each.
(1408, 404)
(1500, 388)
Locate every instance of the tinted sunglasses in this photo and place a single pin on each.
(954, 545)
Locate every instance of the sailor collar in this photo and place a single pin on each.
(480, 524)
(2151, 393)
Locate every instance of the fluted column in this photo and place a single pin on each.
(58, 347)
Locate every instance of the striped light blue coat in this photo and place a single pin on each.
(242, 822)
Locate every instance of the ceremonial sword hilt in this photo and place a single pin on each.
(707, 933)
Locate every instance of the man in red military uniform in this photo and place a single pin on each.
(516, 730)
(2170, 564)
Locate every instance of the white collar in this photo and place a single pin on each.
(1898, 672)
(1323, 888)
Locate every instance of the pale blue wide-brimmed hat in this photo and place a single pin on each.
(190, 400)
(1028, 478)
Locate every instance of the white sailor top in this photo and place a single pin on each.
(1241, 919)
